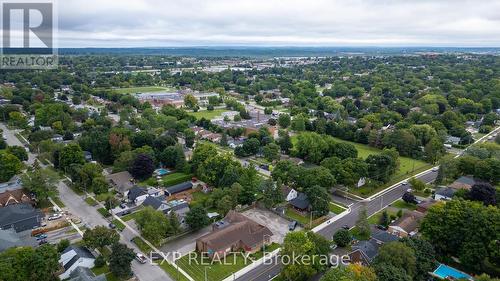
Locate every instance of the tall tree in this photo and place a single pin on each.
(120, 259)
(40, 181)
(142, 167)
(362, 224)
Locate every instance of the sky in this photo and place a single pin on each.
(165, 23)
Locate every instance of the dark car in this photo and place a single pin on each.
(43, 241)
(126, 212)
(292, 225)
(123, 205)
(346, 227)
(112, 226)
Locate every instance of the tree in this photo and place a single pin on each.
(409, 198)
(62, 245)
(342, 238)
(384, 219)
(362, 224)
(201, 153)
(301, 243)
(153, 225)
(425, 257)
(41, 182)
(189, 137)
(317, 198)
(19, 152)
(284, 141)
(110, 202)
(391, 273)
(271, 152)
(99, 185)
(284, 120)
(120, 259)
(175, 225)
(10, 165)
(190, 101)
(249, 181)
(197, 217)
(299, 123)
(142, 167)
(483, 192)
(398, 255)
(71, 154)
(99, 237)
(417, 184)
(272, 194)
(352, 272)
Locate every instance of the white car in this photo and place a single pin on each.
(140, 258)
(55, 217)
(404, 183)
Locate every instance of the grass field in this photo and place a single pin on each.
(172, 271)
(104, 212)
(119, 225)
(375, 219)
(90, 201)
(133, 90)
(142, 245)
(131, 216)
(208, 114)
(216, 270)
(58, 201)
(400, 204)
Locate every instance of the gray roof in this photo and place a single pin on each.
(300, 202)
(384, 236)
(84, 274)
(135, 192)
(20, 216)
(80, 251)
(153, 202)
(179, 187)
(9, 239)
(446, 192)
(369, 248)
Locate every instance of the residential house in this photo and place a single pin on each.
(452, 140)
(300, 202)
(138, 194)
(463, 182)
(384, 236)
(171, 190)
(444, 193)
(424, 206)
(234, 233)
(364, 252)
(57, 138)
(156, 203)
(288, 193)
(180, 208)
(84, 274)
(73, 257)
(407, 225)
(17, 196)
(20, 217)
(122, 181)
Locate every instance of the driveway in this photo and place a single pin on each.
(186, 243)
(275, 223)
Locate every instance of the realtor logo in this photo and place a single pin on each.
(27, 35)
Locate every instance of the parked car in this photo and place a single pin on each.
(123, 205)
(292, 225)
(346, 227)
(54, 217)
(140, 258)
(41, 236)
(126, 212)
(43, 241)
(112, 225)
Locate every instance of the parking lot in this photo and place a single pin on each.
(277, 224)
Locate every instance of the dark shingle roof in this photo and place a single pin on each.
(21, 216)
(153, 202)
(446, 192)
(369, 248)
(301, 201)
(135, 192)
(179, 187)
(384, 237)
(84, 274)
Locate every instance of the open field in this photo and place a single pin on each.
(207, 114)
(175, 178)
(133, 90)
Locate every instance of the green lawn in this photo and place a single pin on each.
(131, 216)
(119, 225)
(218, 270)
(58, 201)
(102, 197)
(133, 90)
(175, 178)
(400, 204)
(172, 271)
(208, 114)
(90, 201)
(104, 270)
(199, 197)
(305, 220)
(142, 245)
(375, 219)
(335, 208)
(104, 212)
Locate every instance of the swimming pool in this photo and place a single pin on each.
(443, 271)
(162, 171)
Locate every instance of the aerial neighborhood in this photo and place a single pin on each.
(113, 162)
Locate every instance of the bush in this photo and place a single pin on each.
(62, 245)
(104, 212)
(342, 238)
(99, 261)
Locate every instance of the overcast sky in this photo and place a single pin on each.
(163, 23)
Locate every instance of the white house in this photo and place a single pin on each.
(289, 193)
(138, 194)
(73, 257)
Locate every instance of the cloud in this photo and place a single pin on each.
(128, 23)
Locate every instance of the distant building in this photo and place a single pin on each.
(463, 182)
(171, 190)
(444, 193)
(122, 181)
(301, 202)
(407, 225)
